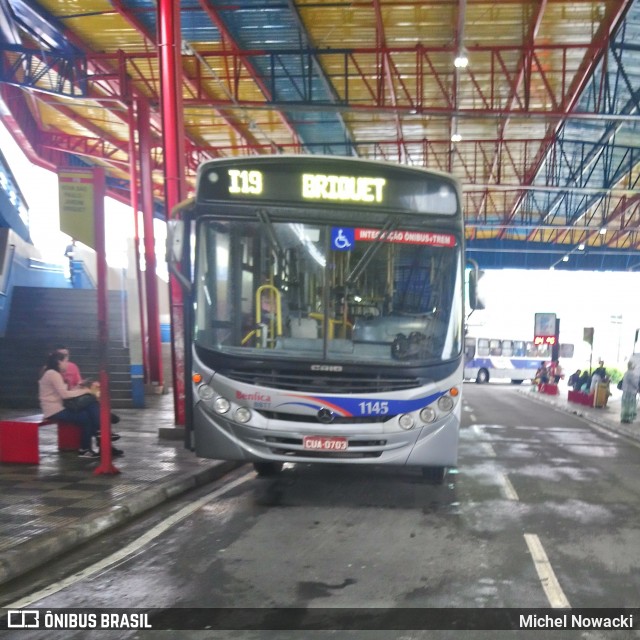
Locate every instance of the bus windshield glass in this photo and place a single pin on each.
(339, 290)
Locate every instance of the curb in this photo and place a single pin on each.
(618, 429)
(45, 547)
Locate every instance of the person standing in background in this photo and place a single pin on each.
(599, 375)
(629, 386)
(69, 253)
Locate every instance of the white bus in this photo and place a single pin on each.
(324, 312)
(516, 360)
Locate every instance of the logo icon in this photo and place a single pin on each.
(23, 619)
(342, 239)
(326, 415)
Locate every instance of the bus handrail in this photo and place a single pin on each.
(277, 314)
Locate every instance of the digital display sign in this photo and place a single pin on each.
(326, 182)
(362, 189)
(544, 331)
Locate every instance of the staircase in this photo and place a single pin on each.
(42, 318)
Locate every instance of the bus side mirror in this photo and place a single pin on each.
(175, 237)
(175, 250)
(475, 301)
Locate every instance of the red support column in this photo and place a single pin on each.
(106, 466)
(169, 43)
(146, 183)
(133, 169)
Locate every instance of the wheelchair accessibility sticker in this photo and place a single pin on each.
(342, 239)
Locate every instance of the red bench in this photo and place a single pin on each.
(548, 388)
(19, 438)
(581, 397)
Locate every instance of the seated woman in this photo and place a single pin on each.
(53, 391)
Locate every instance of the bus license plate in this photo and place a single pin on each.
(325, 443)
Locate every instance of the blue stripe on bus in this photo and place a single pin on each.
(364, 406)
(498, 362)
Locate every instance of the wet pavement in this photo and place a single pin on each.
(607, 417)
(52, 507)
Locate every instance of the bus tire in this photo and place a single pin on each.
(482, 377)
(265, 469)
(517, 381)
(434, 475)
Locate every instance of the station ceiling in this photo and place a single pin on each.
(540, 126)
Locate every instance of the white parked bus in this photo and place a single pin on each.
(324, 312)
(516, 360)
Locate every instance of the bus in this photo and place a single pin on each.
(323, 312)
(515, 360)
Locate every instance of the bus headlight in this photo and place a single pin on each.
(205, 392)
(221, 405)
(406, 421)
(428, 414)
(242, 415)
(445, 403)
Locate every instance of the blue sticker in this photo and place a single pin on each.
(342, 239)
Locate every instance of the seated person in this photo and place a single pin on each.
(574, 380)
(52, 392)
(542, 374)
(584, 383)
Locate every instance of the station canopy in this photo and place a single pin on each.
(533, 106)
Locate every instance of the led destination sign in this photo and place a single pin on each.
(327, 183)
(314, 186)
(321, 187)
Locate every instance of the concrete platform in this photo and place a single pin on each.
(52, 507)
(607, 417)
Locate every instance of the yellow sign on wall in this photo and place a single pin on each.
(76, 198)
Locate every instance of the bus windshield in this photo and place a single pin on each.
(385, 293)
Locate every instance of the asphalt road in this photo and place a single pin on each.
(543, 511)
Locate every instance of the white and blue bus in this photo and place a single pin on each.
(515, 360)
(323, 312)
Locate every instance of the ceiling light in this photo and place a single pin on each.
(580, 247)
(461, 60)
(603, 231)
(565, 259)
(186, 49)
(456, 137)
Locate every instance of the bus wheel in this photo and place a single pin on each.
(482, 377)
(434, 475)
(267, 468)
(517, 381)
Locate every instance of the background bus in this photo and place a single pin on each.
(516, 360)
(324, 312)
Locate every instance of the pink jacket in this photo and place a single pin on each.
(52, 390)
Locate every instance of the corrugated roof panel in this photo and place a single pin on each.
(498, 144)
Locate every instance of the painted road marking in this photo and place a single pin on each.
(131, 548)
(489, 450)
(550, 583)
(509, 489)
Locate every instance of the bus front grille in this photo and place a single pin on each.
(322, 381)
(297, 417)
